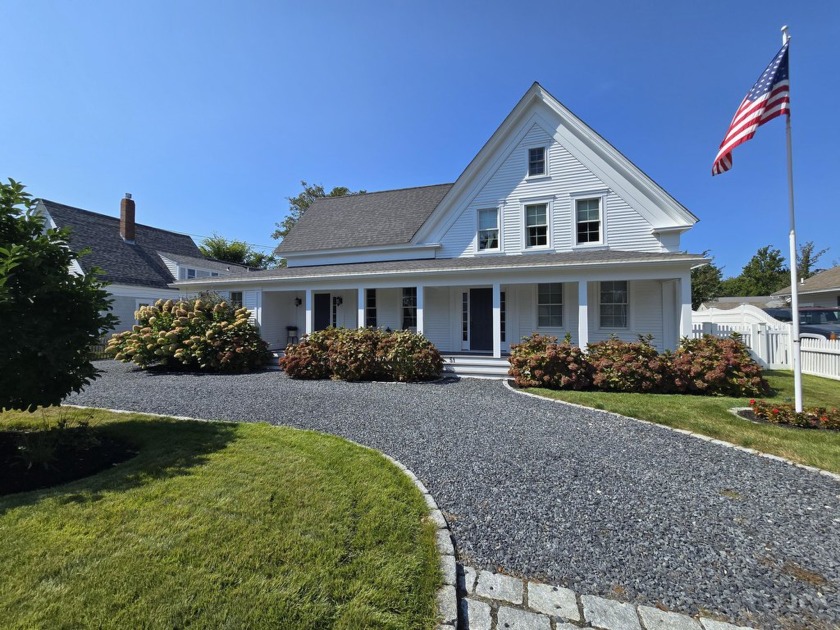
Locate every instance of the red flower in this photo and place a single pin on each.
(752, 402)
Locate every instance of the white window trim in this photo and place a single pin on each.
(629, 325)
(574, 197)
(563, 313)
(544, 175)
(494, 250)
(549, 217)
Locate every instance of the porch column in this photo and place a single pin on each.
(583, 313)
(685, 306)
(420, 292)
(360, 308)
(309, 311)
(497, 320)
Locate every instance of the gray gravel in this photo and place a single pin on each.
(599, 504)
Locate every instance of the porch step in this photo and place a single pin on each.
(475, 366)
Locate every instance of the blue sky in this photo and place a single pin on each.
(210, 113)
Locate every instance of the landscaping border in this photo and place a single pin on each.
(699, 436)
(447, 597)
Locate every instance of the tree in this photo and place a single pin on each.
(298, 205)
(237, 252)
(705, 283)
(807, 259)
(762, 275)
(49, 317)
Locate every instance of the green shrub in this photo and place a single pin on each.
(363, 354)
(199, 334)
(539, 361)
(622, 366)
(718, 367)
(785, 413)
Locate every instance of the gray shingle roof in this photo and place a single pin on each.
(204, 263)
(478, 263)
(827, 280)
(123, 263)
(389, 217)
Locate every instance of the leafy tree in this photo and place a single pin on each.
(705, 283)
(299, 204)
(762, 275)
(49, 317)
(807, 259)
(237, 252)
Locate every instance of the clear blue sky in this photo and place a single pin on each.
(211, 113)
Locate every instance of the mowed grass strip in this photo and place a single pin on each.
(217, 525)
(709, 415)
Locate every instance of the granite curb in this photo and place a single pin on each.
(705, 438)
(447, 598)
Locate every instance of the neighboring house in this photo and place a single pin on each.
(549, 229)
(728, 303)
(139, 262)
(821, 289)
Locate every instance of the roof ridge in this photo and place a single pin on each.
(379, 192)
(113, 218)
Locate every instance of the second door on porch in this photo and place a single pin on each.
(481, 320)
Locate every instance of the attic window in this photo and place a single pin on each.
(536, 162)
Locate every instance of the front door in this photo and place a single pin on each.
(481, 320)
(322, 315)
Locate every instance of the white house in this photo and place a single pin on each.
(548, 229)
(137, 261)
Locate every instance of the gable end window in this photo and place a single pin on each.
(488, 229)
(613, 304)
(550, 305)
(588, 220)
(536, 162)
(536, 225)
(409, 308)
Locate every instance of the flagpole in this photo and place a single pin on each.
(794, 288)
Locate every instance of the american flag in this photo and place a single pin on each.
(768, 98)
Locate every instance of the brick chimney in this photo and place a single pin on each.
(127, 218)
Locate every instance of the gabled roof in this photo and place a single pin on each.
(389, 217)
(123, 263)
(828, 280)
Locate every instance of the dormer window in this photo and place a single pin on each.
(536, 162)
(190, 274)
(488, 229)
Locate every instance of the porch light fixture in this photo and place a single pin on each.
(298, 301)
(338, 300)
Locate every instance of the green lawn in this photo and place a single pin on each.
(710, 416)
(217, 525)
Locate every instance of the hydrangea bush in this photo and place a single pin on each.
(539, 361)
(723, 367)
(199, 334)
(622, 366)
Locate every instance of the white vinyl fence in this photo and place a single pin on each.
(769, 340)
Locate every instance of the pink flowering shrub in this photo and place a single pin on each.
(539, 361)
(717, 367)
(621, 366)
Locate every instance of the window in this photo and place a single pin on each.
(488, 229)
(503, 327)
(236, 299)
(370, 308)
(550, 305)
(613, 304)
(536, 225)
(588, 220)
(214, 274)
(190, 274)
(536, 161)
(409, 308)
(465, 316)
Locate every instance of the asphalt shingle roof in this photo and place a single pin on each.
(204, 263)
(389, 217)
(478, 263)
(123, 263)
(823, 281)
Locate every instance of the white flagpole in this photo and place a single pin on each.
(794, 288)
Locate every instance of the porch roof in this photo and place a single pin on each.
(581, 259)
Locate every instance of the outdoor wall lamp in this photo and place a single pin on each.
(338, 300)
(298, 301)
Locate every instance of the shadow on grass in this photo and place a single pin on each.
(165, 448)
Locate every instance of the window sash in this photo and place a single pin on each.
(488, 229)
(536, 225)
(588, 220)
(614, 302)
(550, 305)
(536, 161)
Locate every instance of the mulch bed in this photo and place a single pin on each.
(31, 460)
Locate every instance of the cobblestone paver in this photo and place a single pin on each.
(493, 601)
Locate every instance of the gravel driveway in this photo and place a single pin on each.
(600, 504)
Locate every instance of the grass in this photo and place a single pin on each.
(710, 416)
(217, 525)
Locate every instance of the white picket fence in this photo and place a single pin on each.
(769, 340)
